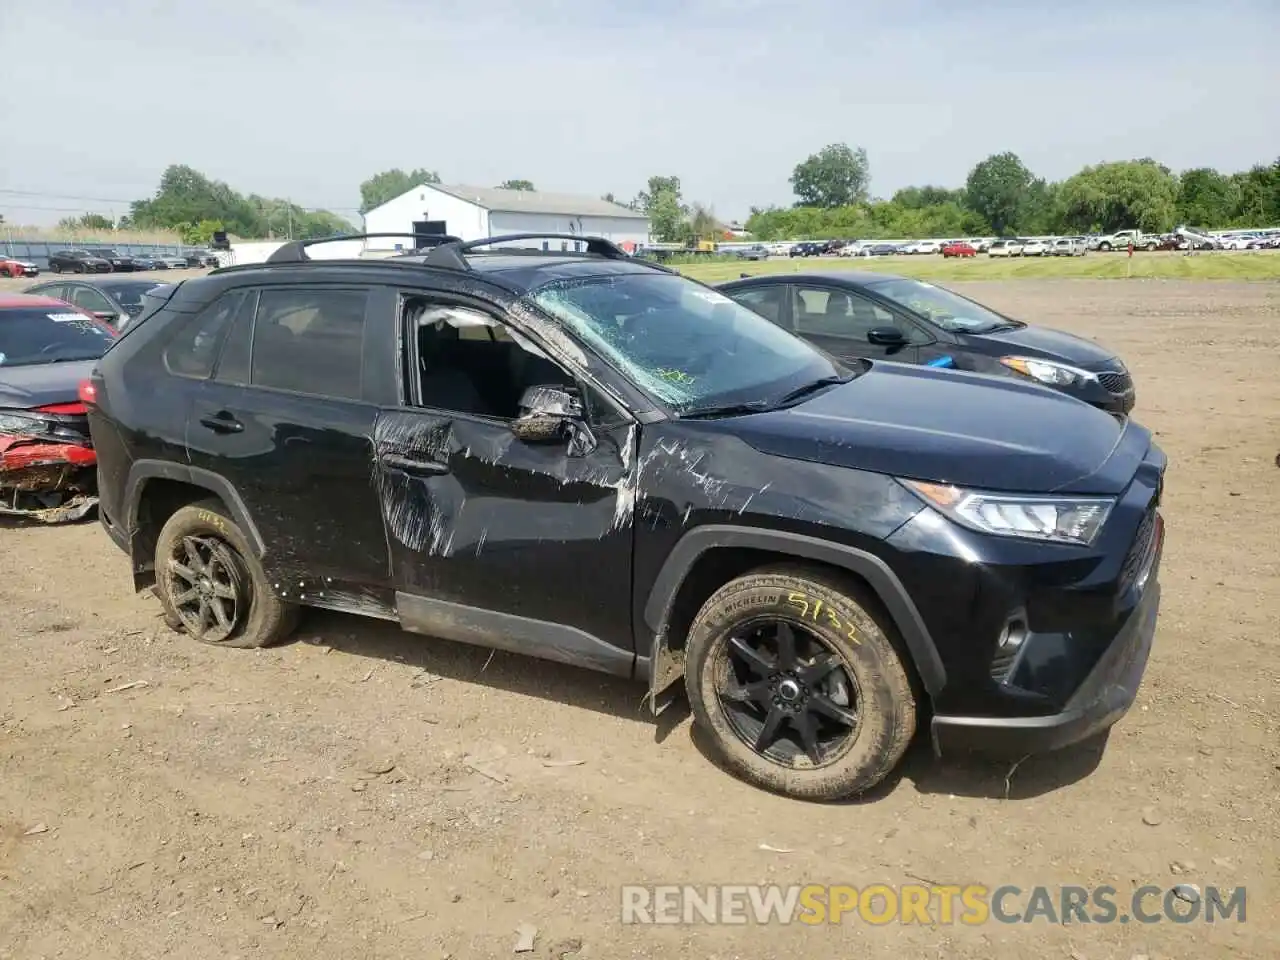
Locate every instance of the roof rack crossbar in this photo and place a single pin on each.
(295, 251)
(597, 246)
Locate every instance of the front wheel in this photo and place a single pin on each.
(801, 688)
(211, 583)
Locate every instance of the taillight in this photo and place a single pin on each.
(88, 393)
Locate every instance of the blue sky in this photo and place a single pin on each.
(306, 98)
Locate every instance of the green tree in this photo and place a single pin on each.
(1259, 196)
(392, 183)
(516, 185)
(667, 213)
(996, 190)
(835, 176)
(916, 198)
(1115, 196)
(89, 221)
(187, 196)
(1206, 198)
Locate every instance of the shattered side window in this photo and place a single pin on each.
(470, 362)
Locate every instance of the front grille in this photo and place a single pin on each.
(1116, 382)
(1139, 552)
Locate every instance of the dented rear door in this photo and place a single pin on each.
(514, 545)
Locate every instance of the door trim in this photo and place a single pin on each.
(512, 633)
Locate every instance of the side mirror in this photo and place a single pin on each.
(548, 414)
(106, 316)
(886, 336)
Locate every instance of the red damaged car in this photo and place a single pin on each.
(48, 470)
(959, 248)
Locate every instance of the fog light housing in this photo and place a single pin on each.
(1008, 646)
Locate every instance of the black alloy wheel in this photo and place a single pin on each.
(785, 692)
(209, 587)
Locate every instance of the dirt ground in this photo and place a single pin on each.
(364, 793)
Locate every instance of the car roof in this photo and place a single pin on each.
(519, 272)
(851, 278)
(18, 300)
(109, 281)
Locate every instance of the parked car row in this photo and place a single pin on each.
(1066, 246)
(107, 260)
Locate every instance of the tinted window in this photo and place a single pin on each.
(233, 365)
(130, 295)
(309, 341)
(693, 347)
(195, 346)
(948, 310)
(91, 300)
(821, 311)
(766, 301)
(56, 290)
(30, 336)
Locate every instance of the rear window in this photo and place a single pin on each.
(32, 336)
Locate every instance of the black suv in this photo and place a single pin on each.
(592, 459)
(881, 316)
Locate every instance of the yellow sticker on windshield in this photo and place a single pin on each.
(675, 376)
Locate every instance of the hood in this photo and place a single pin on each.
(40, 384)
(1054, 345)
(969, 429)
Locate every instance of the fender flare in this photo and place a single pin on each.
(664, 665)
(143, 470)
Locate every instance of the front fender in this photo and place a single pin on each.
(666, 665)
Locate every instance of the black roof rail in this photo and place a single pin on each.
(295, 251)
(450, 255)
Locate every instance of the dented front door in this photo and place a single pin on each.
(514, 545)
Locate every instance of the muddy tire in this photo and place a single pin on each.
(211, 583)
(802, 689)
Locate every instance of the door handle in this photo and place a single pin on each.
(416, 467)
(222, 423)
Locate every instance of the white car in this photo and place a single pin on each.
(923, 246)
(1034, 248)
(1005, 248)
(1067, 247)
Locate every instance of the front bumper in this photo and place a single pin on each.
(1105, 695)
(44, 481)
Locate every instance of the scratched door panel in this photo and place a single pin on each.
(479, 518)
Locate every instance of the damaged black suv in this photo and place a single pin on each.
(589, 458)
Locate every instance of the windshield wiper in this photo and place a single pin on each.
(813, 387)
(726, 410)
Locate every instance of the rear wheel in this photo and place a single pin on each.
(54, 268)
(801, 688)
(211, 583)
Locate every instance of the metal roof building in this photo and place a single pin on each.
(474, 212)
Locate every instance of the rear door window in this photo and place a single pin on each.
(310, 341)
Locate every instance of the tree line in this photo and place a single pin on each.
(1002, 197)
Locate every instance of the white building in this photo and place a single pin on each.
(474, 212)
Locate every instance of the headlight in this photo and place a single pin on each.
(1046, 371)
(15, 423)
(1060, 519)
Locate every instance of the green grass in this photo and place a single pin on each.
(1244, 265)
